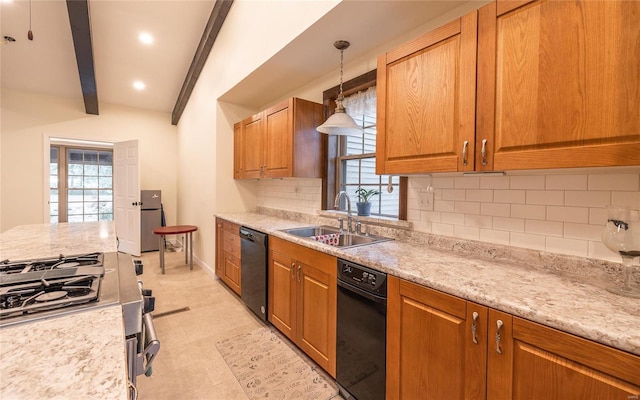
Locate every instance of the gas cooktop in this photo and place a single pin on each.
(38, 285)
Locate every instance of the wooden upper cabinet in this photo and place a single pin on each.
(237, 150)
(252, 146)
(426, 102)
(559, 84)
(281, 142)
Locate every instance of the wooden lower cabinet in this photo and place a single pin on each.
(302, 299)
(443, 347)
(429, 344)
(538, 362)
(228, 254)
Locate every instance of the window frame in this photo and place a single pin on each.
(330, 185)
(63, 179)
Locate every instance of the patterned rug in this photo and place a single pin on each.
(266, 366)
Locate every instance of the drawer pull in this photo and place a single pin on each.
(483, 152)
(474, 327)
(464, 152)
(498, 349)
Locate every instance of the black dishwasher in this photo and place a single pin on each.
(253, 271)
(361, 331)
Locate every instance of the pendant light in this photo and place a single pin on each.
(340, 123)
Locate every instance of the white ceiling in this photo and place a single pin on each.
(47, 64)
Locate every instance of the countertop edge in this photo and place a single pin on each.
(542, 296)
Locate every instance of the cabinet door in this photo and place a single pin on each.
(237, 151)
(232, 275)
(317, 296)
(429, 345)
(558, 83)
(426, 102)
(278, 136)
(539, 362)
(253, 149)
(282, 293)
(219, 248)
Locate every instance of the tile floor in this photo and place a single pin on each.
(188, 366)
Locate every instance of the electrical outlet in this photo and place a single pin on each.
(425, 199)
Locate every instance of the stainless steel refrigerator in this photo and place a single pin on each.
(151, 217)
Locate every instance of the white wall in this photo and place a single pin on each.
(28, 118)
(252, 33)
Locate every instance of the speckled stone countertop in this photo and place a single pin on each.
(45, 240)
(73, 356)
(567, 297)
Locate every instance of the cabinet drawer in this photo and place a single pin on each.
(231, 227)
(232, 245)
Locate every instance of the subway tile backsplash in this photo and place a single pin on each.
(555, 211)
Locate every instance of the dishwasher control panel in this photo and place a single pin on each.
(363, 277)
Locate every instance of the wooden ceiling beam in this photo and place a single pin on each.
(218, 15)
(81, 32)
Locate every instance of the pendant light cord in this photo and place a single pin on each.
(341, 69)
(30, 33)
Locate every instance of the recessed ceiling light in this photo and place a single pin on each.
(145, 38)
(139, 85)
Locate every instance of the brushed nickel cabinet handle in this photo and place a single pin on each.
(474, 327)
(483, 152)
(298, 273)
(293, 268)
(499, 324)
(464, 152)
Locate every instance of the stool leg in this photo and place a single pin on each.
(161, 237)
(191, 250)
(185, 246)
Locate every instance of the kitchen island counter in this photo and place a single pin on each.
(77, 355)
(46, 240)
(553, 290)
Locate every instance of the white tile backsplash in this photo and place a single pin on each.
(543, 210)
(627, 182)
(545, 197)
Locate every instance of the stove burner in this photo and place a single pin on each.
(8, 267)
(68, 265)
(50, 296)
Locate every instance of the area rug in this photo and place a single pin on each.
(268, 367)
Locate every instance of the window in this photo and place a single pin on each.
(357, 158)
(81, 184)
(351, 159)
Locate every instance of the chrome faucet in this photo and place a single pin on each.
(336, 205)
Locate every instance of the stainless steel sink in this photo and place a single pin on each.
(309, 231)
(344, 239)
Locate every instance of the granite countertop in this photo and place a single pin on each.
(73, 356)
(553, 299)
(46, 240)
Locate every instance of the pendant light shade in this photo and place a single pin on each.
(340, 123)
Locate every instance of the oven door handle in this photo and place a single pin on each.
(151, 346)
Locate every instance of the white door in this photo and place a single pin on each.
(126, 194)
